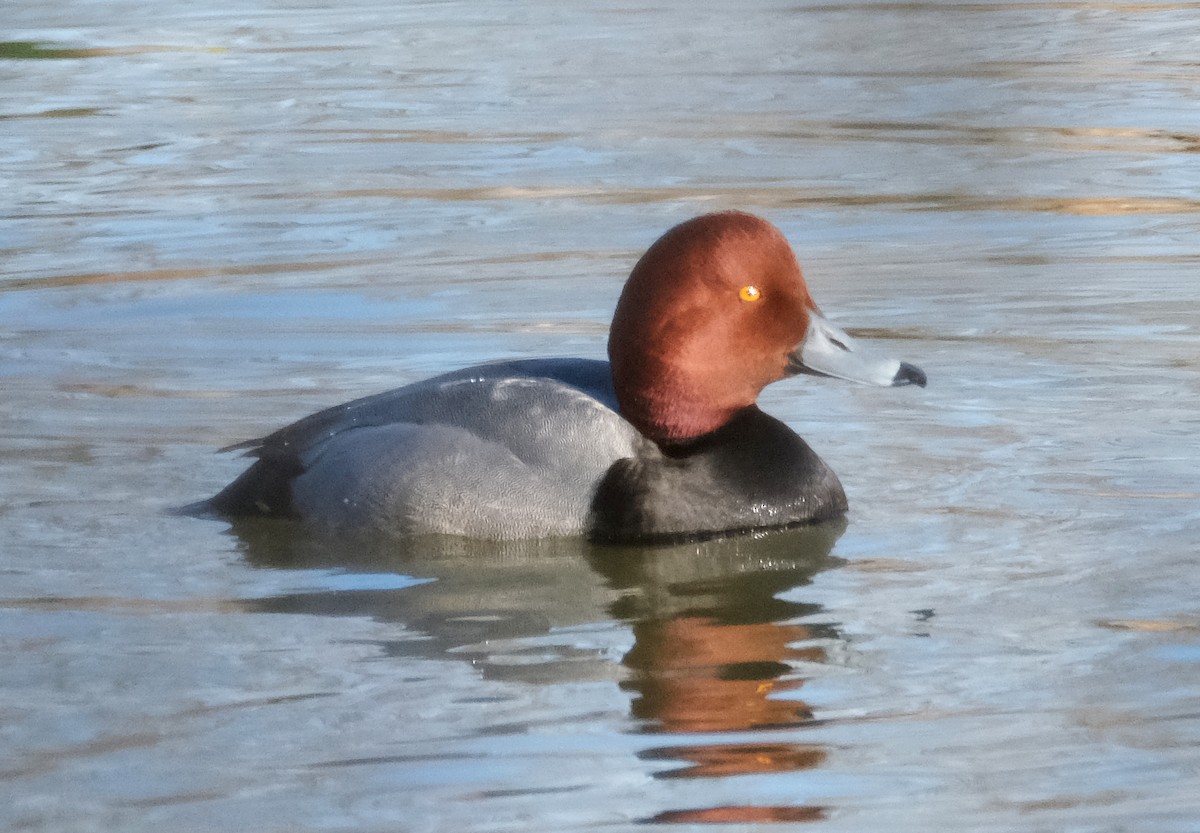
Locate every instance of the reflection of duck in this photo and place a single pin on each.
(665, 441)
(713, 641)
(502, 592)
(471, 600)
(713, 652)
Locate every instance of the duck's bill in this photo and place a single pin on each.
(827, 351)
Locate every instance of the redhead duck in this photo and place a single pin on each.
(662, 442)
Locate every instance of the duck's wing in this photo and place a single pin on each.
(450, 399)
(544, 412)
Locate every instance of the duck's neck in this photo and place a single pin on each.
(668, 412)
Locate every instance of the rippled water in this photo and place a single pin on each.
(217, 220)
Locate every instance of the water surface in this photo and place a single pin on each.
(216, 220)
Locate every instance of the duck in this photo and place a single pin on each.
(664, 442)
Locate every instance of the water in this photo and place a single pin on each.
(216, 220)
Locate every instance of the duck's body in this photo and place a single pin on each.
(522, 449)
(666, 442)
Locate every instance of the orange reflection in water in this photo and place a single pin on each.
(695, 674)
(734, 814)
(716, 649)
(719, 760)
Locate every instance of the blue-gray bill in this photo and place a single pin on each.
(828, 351)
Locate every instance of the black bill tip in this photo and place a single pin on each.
(909, 374)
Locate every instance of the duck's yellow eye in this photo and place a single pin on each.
(749, 293)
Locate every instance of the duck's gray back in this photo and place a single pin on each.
(505, 450)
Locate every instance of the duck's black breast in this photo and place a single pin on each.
(754, 473)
